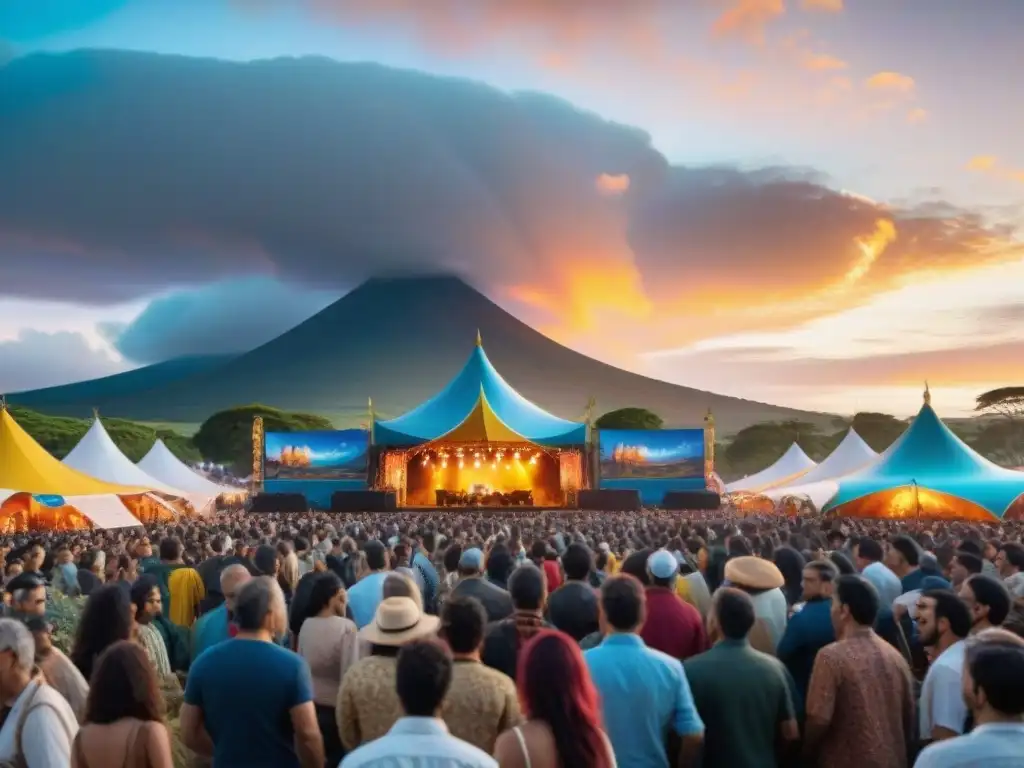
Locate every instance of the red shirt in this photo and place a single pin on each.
(554, 574)
(673, 626)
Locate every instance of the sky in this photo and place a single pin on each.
(815, 203)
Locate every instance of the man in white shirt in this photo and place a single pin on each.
(41, 722)
(943, 621)
(867, 556)
(423, 676)
(993, 687)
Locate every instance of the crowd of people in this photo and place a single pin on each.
(520, 640)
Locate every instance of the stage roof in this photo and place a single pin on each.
(930, 457)
(26, 466)
(482, 425)
(478, 382)
(791, 466)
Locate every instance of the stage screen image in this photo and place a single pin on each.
(330, 455)
(651, 454)
(482, 473)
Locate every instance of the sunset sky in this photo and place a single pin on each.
(820, 207)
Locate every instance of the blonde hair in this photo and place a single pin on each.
(290, 570)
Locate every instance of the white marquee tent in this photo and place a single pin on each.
(791, 466)
(818, 484)
(98, 456)
(168, 468)
(103, 510)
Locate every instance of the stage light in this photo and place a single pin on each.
(425, 461)
(508, 466)
(461, 465)
(516, 455)
(533, 459)
(444, 463)
(477, 463)
(494, 465)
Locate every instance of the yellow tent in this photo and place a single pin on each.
(26, 466)
(481, 425)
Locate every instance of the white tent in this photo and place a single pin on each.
(168, 468)
(819, 493)
(790, 467)
(818, 484)
(103, 510)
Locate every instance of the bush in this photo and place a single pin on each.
(226, 437)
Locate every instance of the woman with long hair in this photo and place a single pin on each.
(145, 594)
(108, 617)
(329, 643)
(563, 722)
(124, 719)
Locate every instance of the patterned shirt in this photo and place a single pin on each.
(368, 704)
(481, 704)
(862, 688)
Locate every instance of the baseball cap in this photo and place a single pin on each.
(472, 558)
(662, 564)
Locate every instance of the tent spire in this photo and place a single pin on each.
(96, 413)
(479, 338)
(709, 419)
(3, 402)
(927, 394)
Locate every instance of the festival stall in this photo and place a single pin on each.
(479, 441)
(818, 485)
(98, 456)
(930, 473)
(44, 494)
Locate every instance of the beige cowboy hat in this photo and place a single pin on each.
(398, 621)
(753, 573)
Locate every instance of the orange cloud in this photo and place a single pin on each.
(891, 81)
(609, 184)
(832, 6)
(821, 62)
(991, 164)
(917, 115)
(748, 19)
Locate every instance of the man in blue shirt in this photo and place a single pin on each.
(809, 629)
(644, 693)
(215, 627)
(366, 594)
(249, 702)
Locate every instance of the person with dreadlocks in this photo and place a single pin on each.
(528, 589)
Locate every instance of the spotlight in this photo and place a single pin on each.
(461, 464)
(477, 463)
(516, 455)
(508, 466)
(444, 463)
(533, 459)
(493, 465)
(425, 461)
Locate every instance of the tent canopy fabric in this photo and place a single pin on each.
(930, 457)
(96, 454)
(851, 455)
(104, 511)
(819, 493)
(164, 466)
(791, 466)
(482, 425)
(444, 412)
(25, 466)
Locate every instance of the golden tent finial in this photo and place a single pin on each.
(96, 413)
(3, 402)
(927, 394)
(479, 338)
(709, 419)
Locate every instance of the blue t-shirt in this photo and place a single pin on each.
(246, 689)
(364, 597)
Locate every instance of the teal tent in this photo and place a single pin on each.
(927, 471)
(478, 405)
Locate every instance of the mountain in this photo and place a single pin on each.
(399, 341)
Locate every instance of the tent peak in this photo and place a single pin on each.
(927, 394)
(479, 338)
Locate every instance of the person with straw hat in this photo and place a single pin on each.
(763, 581)
(368, 704)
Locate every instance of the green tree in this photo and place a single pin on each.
(226, 437)
(1007, 402)
(1000, 441)
(879, 430)
(629, 418)
(760, 445)
(59, 434)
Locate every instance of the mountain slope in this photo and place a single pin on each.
(399, 341)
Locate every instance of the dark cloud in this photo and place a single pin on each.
(128, 173)
(36, 359)
(221, 318)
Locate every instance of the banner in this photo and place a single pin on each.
(335, 455)
(652, 453)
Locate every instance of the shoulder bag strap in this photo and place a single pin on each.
(522, 747)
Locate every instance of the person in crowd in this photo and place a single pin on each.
(288, 574)
(965, 564)
(124, 719)
(993, 687)
(421, 561)
(741, 731)
(791, 565)
(495, 600)
(1010, 564)
(644, 693)
(33, 559)
(423, 676)
(482, 702)
(499, 565)
(27, 596)
(672, 626)
(868, 555)
(809, 629)
(763, 581)
(368, 705)
(181, 586)
(943, 622)
(210, 570)
(505, 639)
(564, 721)
(367, 593)
(108, 617)
(329, 643)
(248, 701)
(64, 577)
(217, 625)
(91, 572)
(860, 700)
(903, 557)
(39, 725)
(57, 669)
(988, 600)
(145, 594)
(539, 552)
(572, 607)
